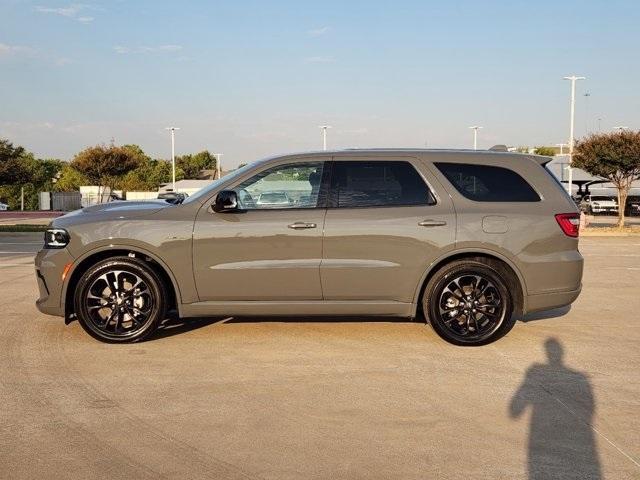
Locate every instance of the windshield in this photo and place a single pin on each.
(204, 192)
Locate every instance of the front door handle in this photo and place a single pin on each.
(432, 223)
(302, 225)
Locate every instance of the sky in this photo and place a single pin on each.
(250, 79)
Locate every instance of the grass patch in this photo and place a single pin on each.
(613, 230)
(22, 228)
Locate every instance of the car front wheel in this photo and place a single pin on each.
(468, 302)
(120, 300)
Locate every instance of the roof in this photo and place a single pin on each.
(378, 152)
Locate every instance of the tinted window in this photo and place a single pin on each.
(483, 183)
(378, 184)
(285, 186)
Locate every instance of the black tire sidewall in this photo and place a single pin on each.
(132, 265)
(454, 269)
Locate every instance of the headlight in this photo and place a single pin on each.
(56, 238)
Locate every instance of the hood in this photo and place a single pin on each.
(149, 206)
(111, 211)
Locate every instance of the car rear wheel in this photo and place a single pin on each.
(468, 302)
(120, 300)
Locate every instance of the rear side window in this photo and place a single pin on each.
(484, 183)
(378, 184)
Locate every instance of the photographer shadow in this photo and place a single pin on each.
(561, 439)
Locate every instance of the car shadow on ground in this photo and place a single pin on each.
(546, 315)
(173, 325)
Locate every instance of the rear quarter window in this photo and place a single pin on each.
(485, 183)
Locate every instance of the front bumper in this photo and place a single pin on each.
(49, 265)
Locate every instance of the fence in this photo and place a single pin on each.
(66, 201)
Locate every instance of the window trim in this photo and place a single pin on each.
(459, 192)
(322, 191)
(332, 202)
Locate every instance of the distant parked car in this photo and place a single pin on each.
(175, 198)
(4, 206)
(274, 200)
(594, 204)
(633, 205)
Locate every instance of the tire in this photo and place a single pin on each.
(120, 300)
(449, 296)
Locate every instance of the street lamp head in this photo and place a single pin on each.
(573, 77)
(172, 128)
(324, 127)
(475, 127)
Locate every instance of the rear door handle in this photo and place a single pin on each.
(432, 223)
(302, 225)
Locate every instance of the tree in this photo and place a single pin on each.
(545, 151)
(13, 168)
(613, 156)
(21, 172)
(191, 165)
(149, 176)
(70, 180)
(104, 165)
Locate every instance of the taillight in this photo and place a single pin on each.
(569, 223)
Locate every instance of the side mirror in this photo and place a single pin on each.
(226, 201)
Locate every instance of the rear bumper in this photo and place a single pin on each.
(550, 300)
(49, 265)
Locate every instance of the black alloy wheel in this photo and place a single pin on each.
(468, 302)
(120, 299)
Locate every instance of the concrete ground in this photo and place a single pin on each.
(558, 397)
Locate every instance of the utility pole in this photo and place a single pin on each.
(324, 135)
(219, 164)
(173, 154)
(573, 79)
(475, 129)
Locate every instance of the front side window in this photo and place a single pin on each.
(484, 183)
(378, 184)
(294, 185)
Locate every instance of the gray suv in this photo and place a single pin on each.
(468, 240)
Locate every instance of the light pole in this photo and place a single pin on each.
(219, 164)
(599, 124)
(586, 112)
(573, 79)
(324, 135)
(173, 155)
(561, 145)
(475, 129)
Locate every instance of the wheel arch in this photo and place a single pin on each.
(84, 262)
(520, 296)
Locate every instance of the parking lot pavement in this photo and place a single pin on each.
(297, 398)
